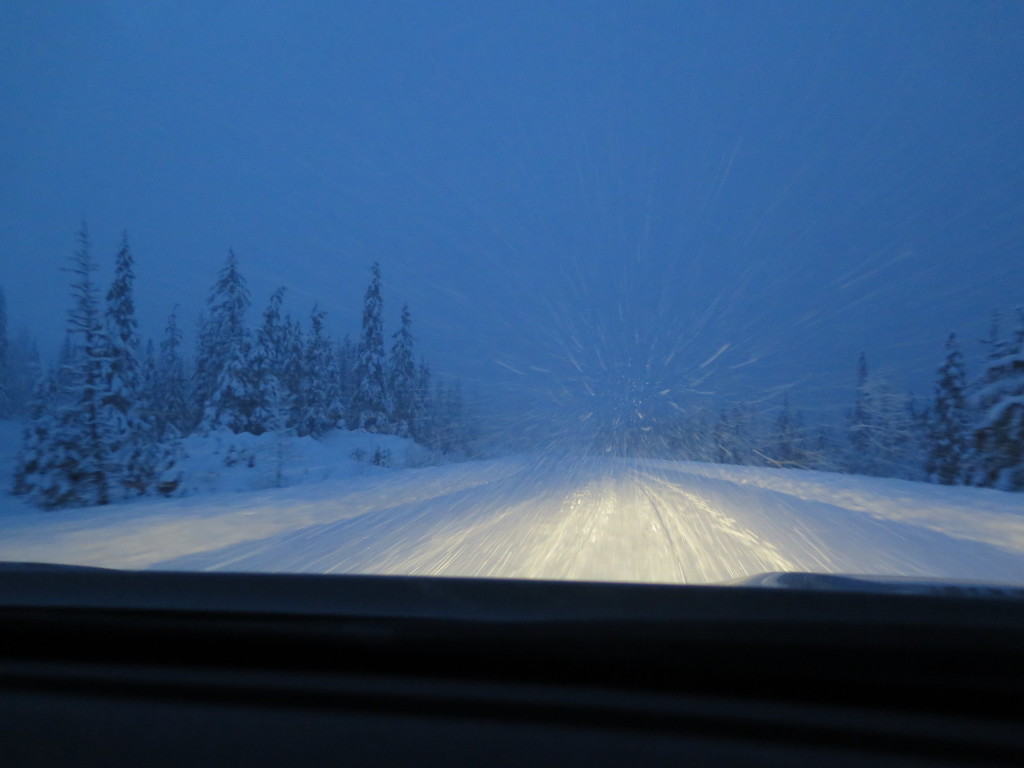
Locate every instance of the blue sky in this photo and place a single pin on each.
(572, 196)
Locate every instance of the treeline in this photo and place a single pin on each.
(969, 432)
(106, 422)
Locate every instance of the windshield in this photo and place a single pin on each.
(672, 292)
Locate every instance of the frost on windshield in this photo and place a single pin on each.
(632, 291)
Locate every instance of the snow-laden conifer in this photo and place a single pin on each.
(293, 366)
(948, 420)
(128, 429)
(65, 460)
(223, 337)
(320, 392)
(271, 400)
(402, 378)
(230, 406)
(998, 450)
(32, 473)
(170, 390)
(371, 406)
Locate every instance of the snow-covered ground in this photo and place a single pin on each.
(606, 519)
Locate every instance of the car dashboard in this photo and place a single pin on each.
(120, 668)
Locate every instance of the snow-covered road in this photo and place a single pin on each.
(641, 521)
(533, 517)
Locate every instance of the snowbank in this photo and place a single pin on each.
(978, 514)
(223, 461)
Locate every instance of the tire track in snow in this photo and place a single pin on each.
(719, 548)
(612, 520)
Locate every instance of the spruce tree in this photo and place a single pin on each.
(33, 472)
(146, 402)
(84, 441)
(883, 431)
(321, 405)
(223, 340)
(65, 460)
(371, 406)
(231, 404)
(293, 367)
(128, 431)
(171, 402)
(947, 423)
(998, 450)
(122, 328)
(402, 377)
(270, 399)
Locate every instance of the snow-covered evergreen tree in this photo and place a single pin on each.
(884, 432)
(998, 450)
(122, 328)
(168, 411)
(271, 340)
(128, 431)
(402, 377)
(293, 367)
(948, 420)
(371, 406)
(66, 460)
(147, 392)
(271, 401)
(84, 447)
(231, 404)
(321, 406)
(33, 471)
(271, 408)
(170, 404)
(223, 341)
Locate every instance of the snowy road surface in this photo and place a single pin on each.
(619, 520)
(595, 519)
